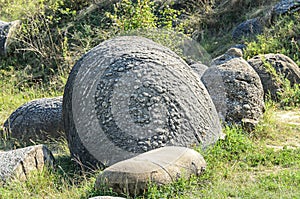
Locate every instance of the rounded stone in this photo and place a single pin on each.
(160, 166)
(39, 119)
(272, 68)
(112, 114)
(236, 91)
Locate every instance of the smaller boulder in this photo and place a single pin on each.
(37, 120)
(6, 30)
(286, 6)
(236, 91)
(249, 28)
(19, 163)
(199, 68)
(160, 166)
(231, 53)
(272, 68)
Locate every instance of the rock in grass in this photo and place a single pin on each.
(249, 28)
(36, 120)
(236, 91)
(160, 166)
(272, 68)
(19, 163)
(6, 30)
(130, 95)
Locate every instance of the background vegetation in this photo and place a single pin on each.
(55, 33)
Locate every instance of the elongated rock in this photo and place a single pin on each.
(130, 95)
(159, 166)
(19, 163)
(36, 120)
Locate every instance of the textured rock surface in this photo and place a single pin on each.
(283, 65)
(286, 6)
(236, 90)
(19, 163)
(199, 68)
(37, 119)
(249, 28)
(231, 53)
(160, 166)
(6, 29)
(129, 95)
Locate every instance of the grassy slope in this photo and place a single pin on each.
(260, 165)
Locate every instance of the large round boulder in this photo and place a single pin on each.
(130, 95)
(160, 166)
(272, 69)
(39, 119)
(236, 91)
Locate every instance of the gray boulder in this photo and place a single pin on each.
(286, 6)
(19, 163)
(249, 28)
(236, 91)
(231, 53)
(160, 166)
(130, 95)
(6, 30)
(199, 68)
(272, 68)
(37, 120)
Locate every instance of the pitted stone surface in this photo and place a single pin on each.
(19, 163)
(239, 96)
(284, 66)
(286, 6)
(38, 119)
(130, 95)
(160, 166)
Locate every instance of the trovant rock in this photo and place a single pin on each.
(271, 68)
(237, 92)
(37, 119)
(130, 95)
(19, 163)
(249, 28)
(159, 166)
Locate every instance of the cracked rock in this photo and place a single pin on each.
(160, 166)
(19, 163)
(36, 120)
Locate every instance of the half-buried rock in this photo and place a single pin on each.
(130, 95)
(19, 163)
(272, 68)
(237, 92)
(36, 120)
(159, 166)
